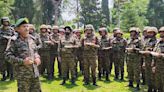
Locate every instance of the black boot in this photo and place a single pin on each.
(116, 77)
(107, 77)
(86, 81)
(122, 77)
(150, 89)
(130, 83)
(11, 77)
(73, 81)
(138, 86)
(3, 77)
(99, 76)
(63, 82)
(94, 82)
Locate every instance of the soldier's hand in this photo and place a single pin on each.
(28, 61)
(37, 61)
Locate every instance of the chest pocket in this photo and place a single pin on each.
(104, 42)
(22, 49)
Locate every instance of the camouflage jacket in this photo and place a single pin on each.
(118, 45)
(45, 45)
(104, 42)
(3, 40)
(37, 40)
(149, 44)
(89, 51)
(17, 52)
(55, 38)
(67, 45)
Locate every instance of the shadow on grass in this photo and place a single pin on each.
(91, 87)
(142, 89)
(69, 86)
(4, 84)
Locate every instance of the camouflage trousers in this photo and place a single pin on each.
(150, 80)
(133, 68)
(119, 64)
(89, 64)
(159, 75)
(45, 63)
(68, 65)
(104, 62)
(29, 85)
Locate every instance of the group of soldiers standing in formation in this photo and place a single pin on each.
(143, 54)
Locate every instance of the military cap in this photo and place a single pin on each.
(21, 21)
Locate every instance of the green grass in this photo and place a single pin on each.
(53, 86)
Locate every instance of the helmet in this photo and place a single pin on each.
(5, 19)
(31, 26)
(77, 30)
(134, 29)
(89, 27)
(152, 29)
(119, 32)
(55, 27)
(161, 29)
(61, 30)
(49, 27)
(43, 27)
(145, 28)
(115, 29)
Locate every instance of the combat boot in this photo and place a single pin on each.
(122, 77)
(86, 81)
(73, 81)
(107, 77)
(11, 77)
(150, 89)
(138, 86)
(63, 82)
(99, 76)
(3, 77)
(130, 83)
(94, 82)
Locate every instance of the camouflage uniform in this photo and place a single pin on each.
(89, 55)
(55, 37)
(148, 45)
(67, 43)
(45, 52)
(4, 65)
(159, 73)
(134, 58)
(27, 75)
(143, 39)
(111, 53)
(103, 54)
(118, 46)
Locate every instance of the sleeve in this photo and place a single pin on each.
(39, 45)
(10, 55)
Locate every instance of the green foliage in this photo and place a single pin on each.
(132, 14)
(155, 13)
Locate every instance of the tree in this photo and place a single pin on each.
(105, 12)
(23, 8)
(90, 13)
(155, 13)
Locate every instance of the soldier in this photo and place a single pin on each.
(55, 37)
(90, 48)
(32, 32)
(143, 38)
(6, 32)
(111, 52)
(61, 31)
(49, 28)
(68, 44)
(79, 53)
(103, 53)
(148, 46)
(22, 53)
(45, 51)
(133, 57)
(158, 61)
(118, 47)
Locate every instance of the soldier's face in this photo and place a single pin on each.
(161, 34)
(43, 30)
(119, 35)
(55, 30)
(78, 33)
(31, 30)
(103, 33)
(23, 30)
(144, 33)
(132, 34)
(5, 23)
(150, 34)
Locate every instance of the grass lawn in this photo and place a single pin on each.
(53, 86)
